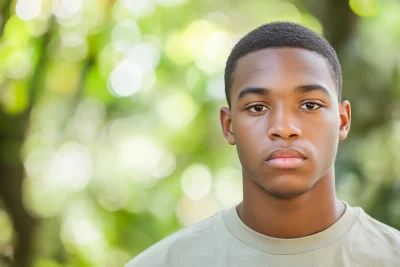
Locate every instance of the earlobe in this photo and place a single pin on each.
(226, 124)
(345, 119)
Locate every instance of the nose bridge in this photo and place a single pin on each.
(283, 123)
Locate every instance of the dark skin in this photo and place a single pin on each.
(286, 98)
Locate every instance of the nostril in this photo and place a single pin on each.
(283, 136)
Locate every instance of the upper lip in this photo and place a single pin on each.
(286, 153)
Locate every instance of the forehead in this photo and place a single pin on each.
(277, 68)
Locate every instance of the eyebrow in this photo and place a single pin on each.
(254, 91)
(301, 89)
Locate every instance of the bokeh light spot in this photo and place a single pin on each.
(144, 56)
(71, 168)
(65, 9)
(166, 165)
(126, 79)
(365, 8)
(190, 212)
(28, 9)
(195, 35)
(216, 88)
(177, 110)
(6, 229)
(140, 8)
(138, 153)
(228, 186)
(196, 181)
(124, 35)
(175, 49)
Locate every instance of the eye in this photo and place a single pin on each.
(311, 106)
(257, 108)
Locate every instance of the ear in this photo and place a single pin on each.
(226, 124)
(345, 119)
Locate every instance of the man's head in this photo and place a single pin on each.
(283, 85)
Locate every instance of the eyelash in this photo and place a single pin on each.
(319, 106)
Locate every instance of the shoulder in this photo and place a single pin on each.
(164, 252)
(374, 240)
(379, 230)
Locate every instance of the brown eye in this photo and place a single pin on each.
(311, 106)
(257, 108)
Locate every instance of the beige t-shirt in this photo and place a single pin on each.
(223, 240)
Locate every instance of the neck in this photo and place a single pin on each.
(303, 215)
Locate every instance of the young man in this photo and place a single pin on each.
(283, 86)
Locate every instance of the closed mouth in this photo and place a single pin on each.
(285, 158)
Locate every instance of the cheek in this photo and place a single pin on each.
(250, 138)
(249, 131)
(325, 138)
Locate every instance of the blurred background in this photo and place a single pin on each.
(109, 118)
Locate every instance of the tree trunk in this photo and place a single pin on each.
(12, 135)
(337, 18)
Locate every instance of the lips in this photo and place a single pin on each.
(285, 158)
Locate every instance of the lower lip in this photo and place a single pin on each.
(285, 163)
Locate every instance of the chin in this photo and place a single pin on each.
(287, 194)
(287, 187)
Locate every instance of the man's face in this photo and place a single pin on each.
(285, 119)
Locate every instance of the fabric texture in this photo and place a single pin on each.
(223, 240)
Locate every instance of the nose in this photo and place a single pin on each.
(283, 125)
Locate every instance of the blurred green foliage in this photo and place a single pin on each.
(109, 118)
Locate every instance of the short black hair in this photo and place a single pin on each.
(282, 35)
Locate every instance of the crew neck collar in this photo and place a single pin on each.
(283, 246)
